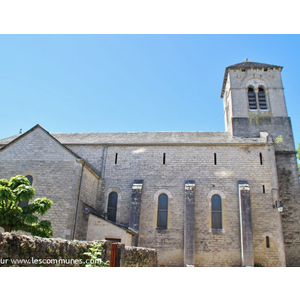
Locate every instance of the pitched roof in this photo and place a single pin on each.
(9, 141)
(147, 138)
(152, 138)
(254, 65)
(15, 138)
(246, 65)
(92, 211)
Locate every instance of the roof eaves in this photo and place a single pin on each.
(49, 134)
(95, 213)
(20, 136)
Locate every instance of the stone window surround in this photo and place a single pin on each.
(106, 196)
(170, 198)
(209, 218)
(255, 88)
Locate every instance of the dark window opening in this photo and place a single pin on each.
(216, 212)
(112, 206)
(260, 158)
(29, 177)
(116, 158)
(164, 159)
(215, 158)
(264, 189)
(162, 212)
(25, 202)
(267, 242)
(252, 99)
(262, 99)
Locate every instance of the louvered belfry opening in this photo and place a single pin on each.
(262, 99)
(252, 98)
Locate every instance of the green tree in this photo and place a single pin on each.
(14, 216)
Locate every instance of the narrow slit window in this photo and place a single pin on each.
(262, 99)
(116, 158)
(252, 98)
(164, 158)
(261, 158)
(267, 242)
(264, 189)
(215, 158)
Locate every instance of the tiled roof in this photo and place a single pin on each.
(151, 138)
(246, 65)
(254, 65)
(148, 138)
(9, 139)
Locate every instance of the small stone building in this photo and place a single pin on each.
(200, 198)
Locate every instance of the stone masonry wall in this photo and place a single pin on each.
(55, 172)
(215, 169)
(89, 194)
(270, 80)
(129, 256)
(289, 188)
(211, 176)
(28, 251)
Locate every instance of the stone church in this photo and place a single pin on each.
(200, 198)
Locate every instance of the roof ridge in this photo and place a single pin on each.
(252, 64)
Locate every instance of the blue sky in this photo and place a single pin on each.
(131, 83)
(121, 83)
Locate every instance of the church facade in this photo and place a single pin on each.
(200, 198)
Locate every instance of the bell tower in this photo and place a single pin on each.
(254, 102)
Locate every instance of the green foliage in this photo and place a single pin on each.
(13, 217)
(279, 140)
(95, 256)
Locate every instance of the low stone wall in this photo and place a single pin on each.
(128, 256)
(28, 251)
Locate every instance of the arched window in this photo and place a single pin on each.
(25, 202)
(216, 212)
(29, 177)
(162, 211)
(262, 98)
(112, 206)
(252, 98)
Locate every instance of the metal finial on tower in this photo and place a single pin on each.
(20, 131)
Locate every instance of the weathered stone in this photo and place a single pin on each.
(27, 251)
(79, 170)
(189, 223)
